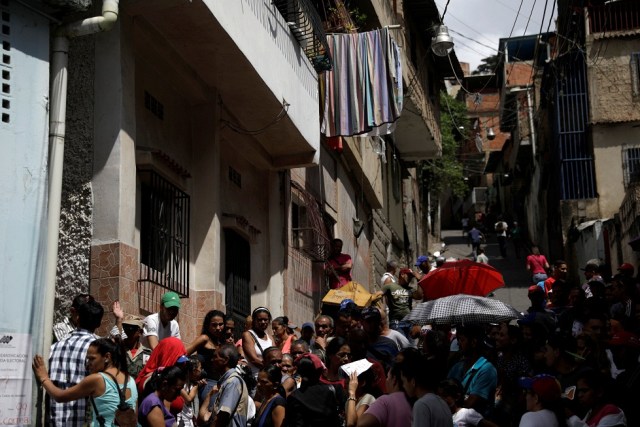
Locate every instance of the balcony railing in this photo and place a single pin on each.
(306, 25)
(615, 16)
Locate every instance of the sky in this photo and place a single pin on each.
(477, 25)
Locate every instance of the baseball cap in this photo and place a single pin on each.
(592, 265)
(546, 387)
(535, 288)
(625, 338)
(171, 299)
(347, 304)
(133, 321)
(406, 271)
(421, 259)
(307, 325)
(626, 267)
(371, 313)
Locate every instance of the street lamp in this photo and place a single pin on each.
(442, 43)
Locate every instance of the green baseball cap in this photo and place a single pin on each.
(171, 299)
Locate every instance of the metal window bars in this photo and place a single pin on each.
(305, 24)
(309, 233)
(631, 165)
(164, 233)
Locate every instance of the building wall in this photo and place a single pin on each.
(608, 143)
(609, 75)
(76, 214)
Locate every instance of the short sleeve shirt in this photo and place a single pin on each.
(481, 380)
(397, 300)
(152, 326)
(232, 398)
(431, 411)
(67, 367)
(392, 410)
(147, 405)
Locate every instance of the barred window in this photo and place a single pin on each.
(164, 233)
(631, 165)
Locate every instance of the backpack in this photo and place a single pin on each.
(125, 416)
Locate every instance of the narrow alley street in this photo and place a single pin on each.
(515, 274)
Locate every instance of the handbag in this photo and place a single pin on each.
(125, 415)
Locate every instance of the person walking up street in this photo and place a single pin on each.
(501, 228)
(537, 265)
(481, 257)
(476, 238)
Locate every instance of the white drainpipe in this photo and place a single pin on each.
(57, 119)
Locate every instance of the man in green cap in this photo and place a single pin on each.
(162, 324)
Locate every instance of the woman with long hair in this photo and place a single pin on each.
(544, 402)
(361, 394)
(338, 354)
(211, 337)
(271, 411)
(282, 335)
(167, 385)
(107, 364)
(256, 340)
(314, 404)
(393, 408)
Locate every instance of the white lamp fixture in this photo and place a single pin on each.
(442, 43)
(491, 135)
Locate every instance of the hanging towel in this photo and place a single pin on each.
(363, 91)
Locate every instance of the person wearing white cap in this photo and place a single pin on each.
(162, 324)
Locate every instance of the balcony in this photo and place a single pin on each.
(615, 18)
(252, 57)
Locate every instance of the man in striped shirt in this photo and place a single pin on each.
(67, 362)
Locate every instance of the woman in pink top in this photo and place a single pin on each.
(537, 265)
(389, 410)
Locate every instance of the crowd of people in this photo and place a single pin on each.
(570, 360)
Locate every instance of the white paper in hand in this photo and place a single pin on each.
(359, 366)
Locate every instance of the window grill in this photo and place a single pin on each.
(237, 278)
(164, 233)
(574, 157)
(631, 165)
(308, 232)
(306, 25)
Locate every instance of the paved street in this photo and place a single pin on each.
(515, 274)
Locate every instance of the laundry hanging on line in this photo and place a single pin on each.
(363, 91)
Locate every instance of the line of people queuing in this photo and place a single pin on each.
(571, 360)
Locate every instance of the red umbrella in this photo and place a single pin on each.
(461, 277)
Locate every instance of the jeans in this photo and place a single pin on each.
(400, 326)
(539, 277)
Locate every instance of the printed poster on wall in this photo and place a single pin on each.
(15, 379)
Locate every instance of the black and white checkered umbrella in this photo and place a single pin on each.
(462, 310)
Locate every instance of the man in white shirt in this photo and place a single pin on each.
(162, 324)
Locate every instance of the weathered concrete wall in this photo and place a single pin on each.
(74, 247)
(609, 75)
(608, 144)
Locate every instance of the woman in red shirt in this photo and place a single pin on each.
(537, 265)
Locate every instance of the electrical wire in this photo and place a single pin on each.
(239, 129)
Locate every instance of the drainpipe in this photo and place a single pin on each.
(57, 119)
(532, 129)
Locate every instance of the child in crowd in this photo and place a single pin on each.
(190, 391)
